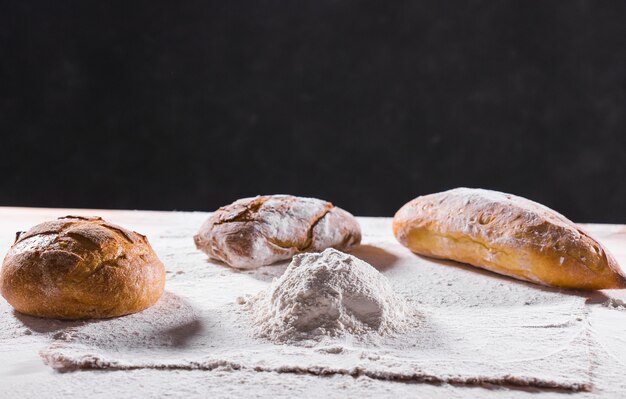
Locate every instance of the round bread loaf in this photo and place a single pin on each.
(81, 268)
(506, 234)
(254, 232)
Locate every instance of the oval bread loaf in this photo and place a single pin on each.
(80, 268)
(254, 232)
(506, 234)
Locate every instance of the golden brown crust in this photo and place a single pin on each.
(80, 268)
(506, 234)
(258, 231)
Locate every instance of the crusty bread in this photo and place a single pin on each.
(254, 232)
(79, 268)
(506, 234)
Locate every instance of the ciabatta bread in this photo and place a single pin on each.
(506, 234)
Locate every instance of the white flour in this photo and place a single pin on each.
(327, 294)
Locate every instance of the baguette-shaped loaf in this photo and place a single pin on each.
(506, 234)
(254, 232)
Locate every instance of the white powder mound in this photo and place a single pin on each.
(327, 294)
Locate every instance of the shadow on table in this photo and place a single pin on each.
(172, 322)
(592, 297)
(378, 257)
(45, 326)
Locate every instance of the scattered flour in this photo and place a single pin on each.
(473, 328)
(327, 294)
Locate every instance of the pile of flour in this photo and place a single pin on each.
(327, 294)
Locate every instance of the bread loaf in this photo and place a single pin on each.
(258, 231)
(506, 234)
(79, 268)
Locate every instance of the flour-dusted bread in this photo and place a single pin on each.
(254, 232)
(506, 234)
(81, 268)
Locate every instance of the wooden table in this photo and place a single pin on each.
(22, 373)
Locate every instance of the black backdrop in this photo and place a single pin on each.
(189, 105)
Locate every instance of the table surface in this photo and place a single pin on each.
(23, 374)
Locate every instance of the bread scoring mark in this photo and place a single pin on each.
(124, 233)
(231, 214)
(33, 243)
(17, 236)
(309, 234)
(46, 228)
(89, 243)
(308, 242)
(86, 218)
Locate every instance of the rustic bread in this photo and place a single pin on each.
(254, 232)
(506, 234)
(79, 268)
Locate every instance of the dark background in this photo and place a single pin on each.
(190, 105)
